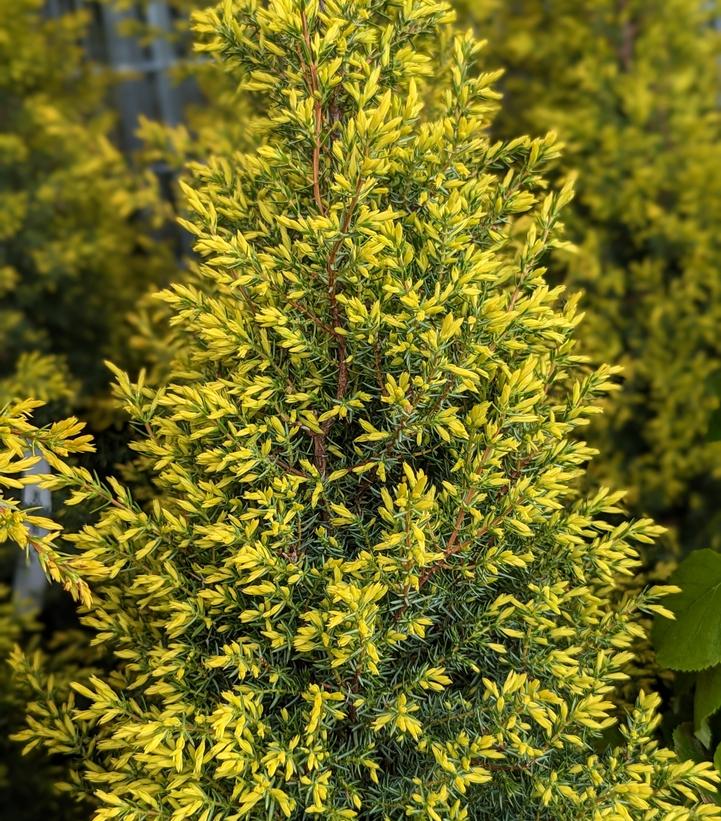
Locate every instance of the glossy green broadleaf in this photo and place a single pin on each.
(686, 746)
(704, 734)
(707, 699)
(693, 640)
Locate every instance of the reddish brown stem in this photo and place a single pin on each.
(316, 157)
(290, 469)
(318, 115)
(332, 294)
(320, 457)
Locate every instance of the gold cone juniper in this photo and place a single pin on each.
(369, 586)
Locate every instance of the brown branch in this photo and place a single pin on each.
(379, 369)
(450, 548)
(290, 469)
(318, 112)
(458, 524)
(452, 545)
(494, 767)
(319, 322)
(333, 298)
(314, 88)
(320, 455)
(629, 31)
(332, 274)
(318, 116)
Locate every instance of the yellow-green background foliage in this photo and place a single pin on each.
(27, 791)
(225, 121)
(75, 247)
(370, 585)
(27, 782)
(633, 89)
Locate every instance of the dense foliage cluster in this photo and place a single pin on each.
(26, 786)
(369, 585)
(633, 89)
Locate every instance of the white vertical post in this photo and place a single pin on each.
(30, 582)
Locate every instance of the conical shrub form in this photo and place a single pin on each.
(369, 586)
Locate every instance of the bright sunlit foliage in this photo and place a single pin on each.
(369, 585)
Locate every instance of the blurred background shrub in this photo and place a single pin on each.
(633, 89)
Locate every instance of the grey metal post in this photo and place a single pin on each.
(30, 582)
